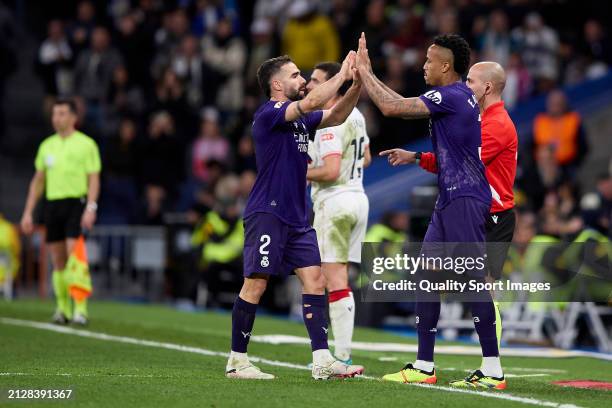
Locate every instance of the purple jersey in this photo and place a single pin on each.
(281, 152)
(454, 126)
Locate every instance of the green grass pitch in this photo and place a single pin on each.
(108, 373)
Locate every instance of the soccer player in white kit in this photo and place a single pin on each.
(339, 154)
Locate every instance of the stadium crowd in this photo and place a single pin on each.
(168, 90)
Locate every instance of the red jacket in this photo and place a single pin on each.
(499, 154)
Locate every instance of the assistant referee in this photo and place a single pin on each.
(68, 170)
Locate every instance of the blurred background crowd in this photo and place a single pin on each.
(168, 90)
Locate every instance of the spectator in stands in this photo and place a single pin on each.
(210, 145)
(407, 35)
(561, 129)
(226, 53)
(309, 37)
(200, 81)
(262, 49)
(596, 42)
(437, 12)
(161, 166)
(495, 43)
(518, 82)
(554, 221)
(597, 206)
(121, 161)
(170, 96)
(136, 47)
(55, 58)
(80, 31)
(377, 29)
(538, 44)
(245, 155)
(208, 13)
(93, 75)
(124, 99)
(539, 176)
(175, 26)
(274, 10)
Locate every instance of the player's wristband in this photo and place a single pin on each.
(91, 206)
(417, 156)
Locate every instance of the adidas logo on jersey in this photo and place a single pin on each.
(273, 203)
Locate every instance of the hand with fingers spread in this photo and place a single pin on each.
(397, 157)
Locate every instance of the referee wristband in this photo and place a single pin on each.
(91, 206)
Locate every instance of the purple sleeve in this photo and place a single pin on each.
(312, 121)
(439, 101)
(274, 114)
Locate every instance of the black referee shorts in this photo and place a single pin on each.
(63, 218)
(500, 230)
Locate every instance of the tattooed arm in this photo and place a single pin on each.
(390, 104)
(388, 101)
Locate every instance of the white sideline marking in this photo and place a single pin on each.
(548, 352)
(524, 400)
(201, 351)
(82, 375)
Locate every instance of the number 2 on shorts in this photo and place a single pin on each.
(265, 239)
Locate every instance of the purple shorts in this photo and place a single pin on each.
(458, 230)
(272, 247)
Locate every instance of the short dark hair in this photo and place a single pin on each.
(269, 68)
(460, 49)
(331, 69)
(68, 102)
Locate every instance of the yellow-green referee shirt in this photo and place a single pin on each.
(67, 162)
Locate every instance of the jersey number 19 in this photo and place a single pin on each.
(357, 156)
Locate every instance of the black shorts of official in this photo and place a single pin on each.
(63, 218)
(500, 230)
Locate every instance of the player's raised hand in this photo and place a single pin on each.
(363, 59)
(347, 66)
(356, 77)
(397, 157)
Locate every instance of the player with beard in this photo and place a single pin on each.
(279, 239)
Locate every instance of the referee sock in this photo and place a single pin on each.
(60, 289)
(80, 307)
(342, 318)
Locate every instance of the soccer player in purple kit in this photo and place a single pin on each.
(278, 236)
(464, 194)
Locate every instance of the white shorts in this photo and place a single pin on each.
(341, 222)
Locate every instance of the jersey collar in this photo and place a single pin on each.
(497, 106)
